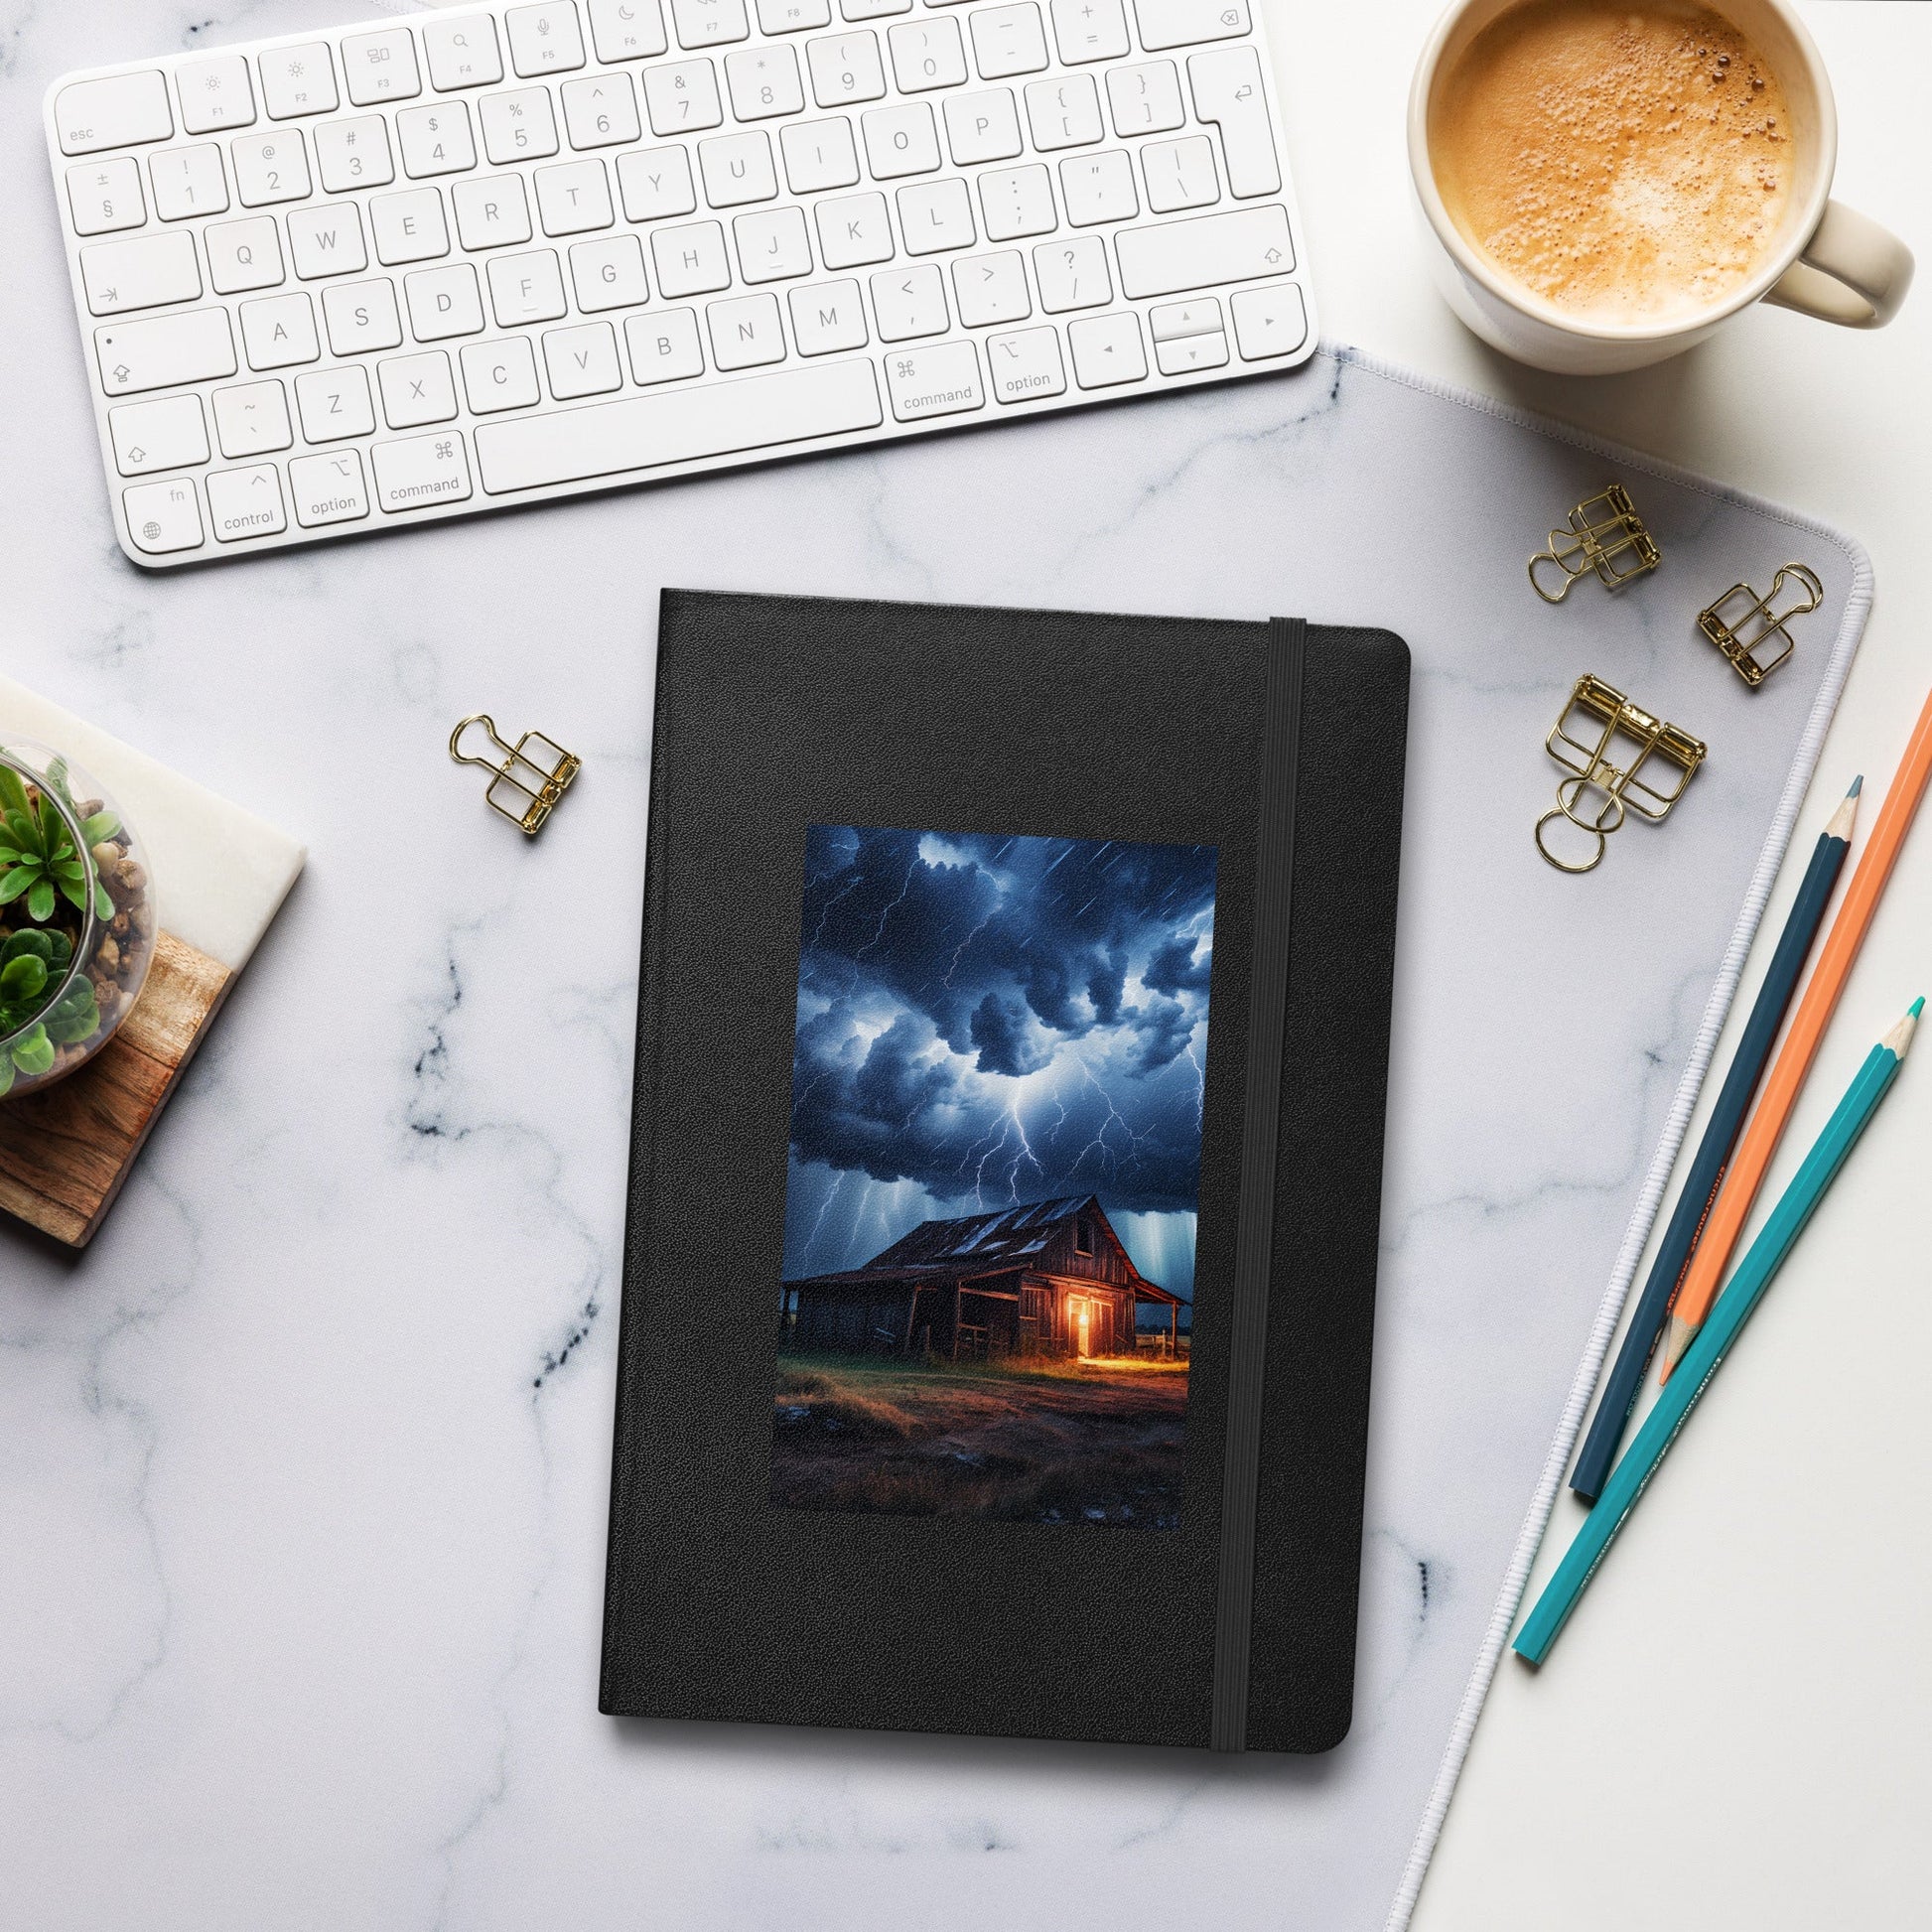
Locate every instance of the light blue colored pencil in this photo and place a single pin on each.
(1756, 1273)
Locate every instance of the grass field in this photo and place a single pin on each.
(1043, 1443)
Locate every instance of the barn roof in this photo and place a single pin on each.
(985, 1244)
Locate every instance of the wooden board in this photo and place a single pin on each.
(65, 1151)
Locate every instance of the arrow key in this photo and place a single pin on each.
(1107, 351)
(1269, 322)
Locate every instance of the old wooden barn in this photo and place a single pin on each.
(1049, 1276)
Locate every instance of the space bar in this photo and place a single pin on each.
(678, 426)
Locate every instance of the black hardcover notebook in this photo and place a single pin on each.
(1000, 1268)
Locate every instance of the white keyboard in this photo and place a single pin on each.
(412, 270)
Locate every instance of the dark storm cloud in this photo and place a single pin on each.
(938, 970)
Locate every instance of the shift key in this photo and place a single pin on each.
(1204, 253)
(163, 350)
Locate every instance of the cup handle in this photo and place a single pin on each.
(1851, 272)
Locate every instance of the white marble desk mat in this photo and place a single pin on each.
(305, 1515)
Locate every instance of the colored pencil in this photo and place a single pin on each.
(1761, 1034)
(1756, 1273)
(1761, 1139)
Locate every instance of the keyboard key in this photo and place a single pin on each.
(1190, 353)
(1017, 201)
(253, 419)
(873, 9)
(654, 182)
(817, 399)
(582, 362)
(163, 516)
(941, 379)
(826, 316)
(544, 39)
(628, 30)
(246, 502)
(463, 53)
(124, 110)
(690, 260)
(244, 255)
(927, 54)
(609, 274)
(1098, 188)
(1202, 253)
(165, 434)
(792, 16)
(409, 228)
(937, 216)
(910, 302)
(279, 331)
(1179, 174)
(846, 70)
(416, 389)
(435, 140)
(682, 97)
(329, 488)
(663, 346)
(421, 471)
(1226, 84)
(983, 127)
(819, 155)
(1065, 113)
(297, 80)
(355, 154)
(772, 245)
(1173, 320)
(991, 288)
(103, 196)
(601, 111)
(764, 82)
(189, 181)
(270, 168)
(1025, 365)
(326, 240)
(1089, 30)
(900, 140)
(1072, 274)
(444, 302)
(162, 351)
(361, 317)
(491, 213)
(854, 230)
(1269, 322)
(709, 23)
(381, 66)
(573, 198)
(1176, 23)
(745, 333)
(143, 272)
(517, 126)
(1107, 351)
(736, 169)
(500, 376)
(1007, 40)
(334, 403)
(526, 288)
(215, 94)
(1146, 99)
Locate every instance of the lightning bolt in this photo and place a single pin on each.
(959, 951)
(1113, 1117)
(819, 1221)
(1026, 1154)
(824, 911)
(1200, 1086)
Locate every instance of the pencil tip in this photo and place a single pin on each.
(1858, 786)
(1916, 1008)
(1680, 1338)
(1899, 1039)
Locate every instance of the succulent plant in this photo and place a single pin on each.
(37, 853)
(30, 963)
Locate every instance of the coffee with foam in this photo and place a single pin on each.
(1630, 166)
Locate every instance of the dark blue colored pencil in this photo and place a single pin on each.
(1714, 1152)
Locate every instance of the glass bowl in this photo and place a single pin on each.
(78, 923)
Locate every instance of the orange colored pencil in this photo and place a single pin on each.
(1747, 1167)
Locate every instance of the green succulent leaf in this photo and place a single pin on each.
(13, 794)
(40, 943)
(6, 1074)
(23, 978)
(103, 825)
(34, 1055)
(39, 901)
(16, 882)
(75, 1019)
(103, 906)
(60, 950)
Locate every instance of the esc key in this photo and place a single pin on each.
(120, 111)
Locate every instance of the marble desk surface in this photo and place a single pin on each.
(178, 1437)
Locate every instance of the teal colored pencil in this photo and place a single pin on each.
(1756, 1273)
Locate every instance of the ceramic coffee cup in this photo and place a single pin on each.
(1830, 261)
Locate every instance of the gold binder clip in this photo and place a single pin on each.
(1740, 634)
(530, 776)
(1606, 535)
(1590, 756)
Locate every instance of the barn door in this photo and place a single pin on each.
(1083, 1328)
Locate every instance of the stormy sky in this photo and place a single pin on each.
(985, 1020)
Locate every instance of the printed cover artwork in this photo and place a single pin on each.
(986, 1298)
